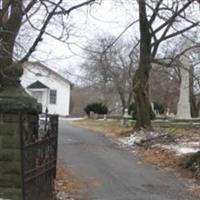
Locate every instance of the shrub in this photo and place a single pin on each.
(159, 108)
(97, 108)
(133, 112)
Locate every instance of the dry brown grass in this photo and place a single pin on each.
(190, 132)
(160, 157)
(111, 128)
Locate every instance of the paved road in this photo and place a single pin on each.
(116, 173)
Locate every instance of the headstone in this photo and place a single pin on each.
(96, 116)
(167, 113)
(153, 109)
(91, 116)
(183, 110)
(126, 117)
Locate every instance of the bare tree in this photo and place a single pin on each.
(164, 86)
(14, 14)
(173, 20)
(112, 69)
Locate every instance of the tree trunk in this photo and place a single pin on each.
(141, 78)
(10, 25)
(193, 101)
(141, 96)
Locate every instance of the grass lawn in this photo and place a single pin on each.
(112, 128)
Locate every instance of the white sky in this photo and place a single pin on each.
(89, 22)
(109, 17)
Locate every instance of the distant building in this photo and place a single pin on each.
(49, 88)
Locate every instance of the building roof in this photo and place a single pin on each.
(37, 85)
(51, 71)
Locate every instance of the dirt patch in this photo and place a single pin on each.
(67, 184)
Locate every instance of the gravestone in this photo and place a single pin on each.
(126, 118)
(183, 109)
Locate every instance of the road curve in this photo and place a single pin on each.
(116, 173)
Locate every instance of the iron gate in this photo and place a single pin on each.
(39, 156)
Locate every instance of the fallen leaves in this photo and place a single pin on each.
(68, 185)
(160, 157)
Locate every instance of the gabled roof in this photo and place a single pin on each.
(37, 85)
(51, 71)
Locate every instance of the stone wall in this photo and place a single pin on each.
(10, 157)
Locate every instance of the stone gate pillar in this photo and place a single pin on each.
(13, 101)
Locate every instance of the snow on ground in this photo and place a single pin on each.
(137, 137)
(4, 199)
(63, 196)
(180, 146)
(70, 119)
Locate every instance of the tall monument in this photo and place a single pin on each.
(183, 109)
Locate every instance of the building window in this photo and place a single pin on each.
(53, 97)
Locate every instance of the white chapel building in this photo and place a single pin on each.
(50, 88)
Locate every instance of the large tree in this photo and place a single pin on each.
(14, 15)
(158, 21)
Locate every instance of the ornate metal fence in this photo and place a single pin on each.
(39, 156)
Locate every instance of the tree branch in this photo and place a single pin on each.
(42, 31)
(173, 16)
(67, 12)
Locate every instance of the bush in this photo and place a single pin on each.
(133, 112)
(159, 108)
(152, 114)
(97, 108)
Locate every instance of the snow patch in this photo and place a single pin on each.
(137, 137)
(63, 196)
(71, 118)
(180, 146)
(4, 199)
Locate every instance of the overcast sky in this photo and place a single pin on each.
(109, 17)
(89, 23)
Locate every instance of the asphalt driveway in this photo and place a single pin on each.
(116, 172)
